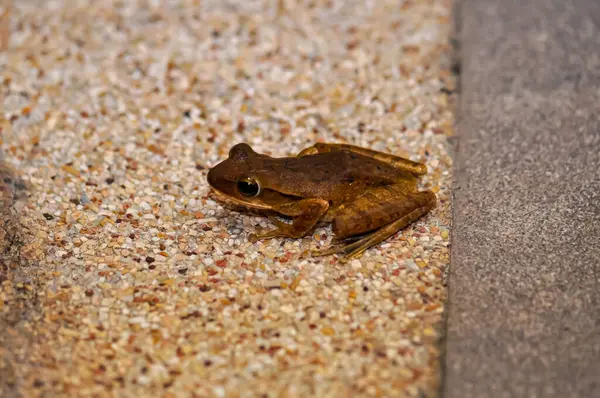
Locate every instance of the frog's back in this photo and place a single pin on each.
(336, 175)
(345, 166)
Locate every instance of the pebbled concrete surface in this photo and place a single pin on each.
(130, 278)
(524, 309)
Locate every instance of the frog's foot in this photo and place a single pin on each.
(346, 247)
(272, 233)
(281, 229)
(336, 247)
(309, 212)
(328, 251)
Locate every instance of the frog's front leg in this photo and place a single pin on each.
(305, 214)
(378, 214)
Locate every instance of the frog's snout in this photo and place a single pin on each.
(211, 177)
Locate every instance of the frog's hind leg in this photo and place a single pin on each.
(355, 249)
(378, 215)
(415, 168)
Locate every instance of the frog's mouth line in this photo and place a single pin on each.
(239, 201)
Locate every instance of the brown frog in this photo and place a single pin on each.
(367, 195)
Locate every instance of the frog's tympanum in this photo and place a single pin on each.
(367, 196)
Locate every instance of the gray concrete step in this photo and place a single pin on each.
(524, 309)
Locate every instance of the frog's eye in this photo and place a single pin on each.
(248, 187)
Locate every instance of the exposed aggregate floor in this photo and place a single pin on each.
(125, 276)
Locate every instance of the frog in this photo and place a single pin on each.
(365, 195)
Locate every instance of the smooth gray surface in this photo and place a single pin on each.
(524, 305)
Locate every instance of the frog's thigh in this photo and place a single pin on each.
(377, 208)
(384, 218)
(395, 161)
(354, 249)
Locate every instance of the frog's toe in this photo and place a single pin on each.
(325, 252)
(356, 249)
(333, 249)
(256, 236)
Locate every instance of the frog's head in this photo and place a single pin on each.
(240, 179)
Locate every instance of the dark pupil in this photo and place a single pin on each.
(248, 188)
